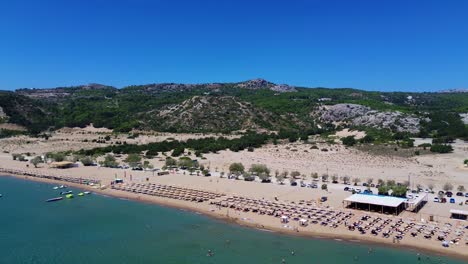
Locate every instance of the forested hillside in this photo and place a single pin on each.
(228, 107)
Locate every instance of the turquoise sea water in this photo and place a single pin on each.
(98, 229)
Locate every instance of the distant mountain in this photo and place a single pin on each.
(454, 91)
(228, 107)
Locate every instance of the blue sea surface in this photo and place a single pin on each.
(98, 229)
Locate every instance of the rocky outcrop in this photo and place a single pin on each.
(359, 115)
(3, 115)
(464, 118)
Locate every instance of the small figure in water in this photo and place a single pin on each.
(210, 253)
(283, 261)
(292, 253)
(419, 256)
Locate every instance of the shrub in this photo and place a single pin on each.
(438, 148)
(349, 141)
(87, 161)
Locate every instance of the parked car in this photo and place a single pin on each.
(346, 189)
(372, 185)
(443, 200)
(303, 185)
(449, 194)
(466, 202)
(364, 184)
(466, 194)
(367, 192)
(293, 183)
(358, 190)
(323, 199)
(459, 194)
(409, 196)
(436, 200)
(441, 192)
(335, 182)
(452, 200)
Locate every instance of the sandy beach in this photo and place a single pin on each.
(289, 156)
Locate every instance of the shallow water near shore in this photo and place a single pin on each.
(97, 229)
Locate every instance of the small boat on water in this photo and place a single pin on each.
(56, 187)
(1, 195)
(54, 199)
(81, 194)
(69, 196)
(67, 192)
(62, 186)
(87, 192)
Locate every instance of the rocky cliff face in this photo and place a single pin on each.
(358, 115)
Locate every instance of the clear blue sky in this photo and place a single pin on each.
(375, 44)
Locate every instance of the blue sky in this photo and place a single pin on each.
(374, 45)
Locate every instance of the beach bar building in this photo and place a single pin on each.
(459, 214)
(376, 203)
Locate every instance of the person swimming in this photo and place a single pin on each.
(210, 253)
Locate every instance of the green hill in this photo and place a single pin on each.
(229, 107)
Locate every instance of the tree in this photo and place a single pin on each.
(261, 170)
(178, 151)
(324, 177)
(236, 168)
(280, 178)
(448, 187)
(36, 160)
(367, 139)
(430, 186)
(461, 188)
(334, 178)
(399, 191)
(147, 165)
(133, 160)
(380, 182)
(57, 157)
(439, 148)
(348, 141)
(185, 163)
(356, 181)
(345, 179)
(170, 162)
(369, 181)
(324, 187)
(109, 161)
(295, 174)
(314, 176)
(383, 190)
(87, 161)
